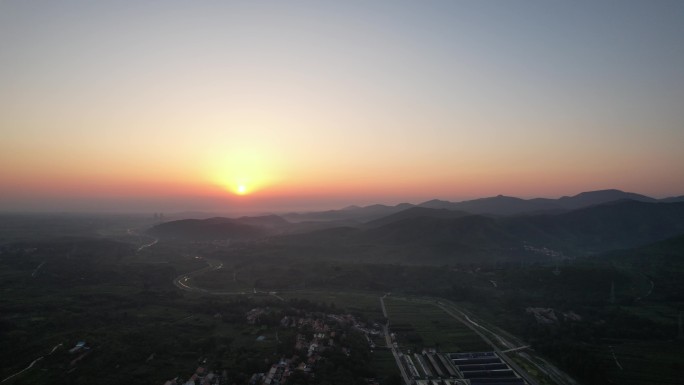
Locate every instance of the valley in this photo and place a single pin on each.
(550, 314)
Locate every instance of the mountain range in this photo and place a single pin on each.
(586, 224)
(499, 206)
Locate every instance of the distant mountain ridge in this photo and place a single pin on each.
(505, 205)
(416, 212)
(349, 213)
(432, 236)
(601, 196)
(611, 225)
(673, 199)
(219, 228)
(499, 205)
(596, 221)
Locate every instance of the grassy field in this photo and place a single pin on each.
(419, 325)
(383, 363)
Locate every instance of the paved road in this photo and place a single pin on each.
(510, 343)
(650, 290)
(154, 242)
(184, 282)
(464, 319)
(25, 369)
(388, 341)
(382, 306)
(31, 364)
(54, 348)
(147, 245)
(37, 268)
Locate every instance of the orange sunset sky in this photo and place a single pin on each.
(270, 106)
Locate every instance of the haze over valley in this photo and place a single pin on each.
(341, 193)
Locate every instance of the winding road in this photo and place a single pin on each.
(509, 343)
(147, 245)
(183, 281)
(650, 290)
(134, 233)
(25, 369)
(31, 364)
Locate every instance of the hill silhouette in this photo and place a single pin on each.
(512, 228)
(416, 212)
(411, 236)
(218, 228)
(350, 214)
(505, 205)
(498, 205)
(591, 198)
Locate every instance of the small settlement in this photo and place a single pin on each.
(316, 333)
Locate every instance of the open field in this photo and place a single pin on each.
(421, 325)
(383, 363)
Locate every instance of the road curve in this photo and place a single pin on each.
(183, 282)
(25, 369)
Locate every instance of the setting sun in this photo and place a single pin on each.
(412, 191)
(244, 171)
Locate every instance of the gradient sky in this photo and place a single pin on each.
(171, 105)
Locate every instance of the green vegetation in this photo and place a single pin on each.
(383, 363)
(140, 328)
(365, 305)
(625, 300)
(420, 325)
(652, 362)
(429, 237)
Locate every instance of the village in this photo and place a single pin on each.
(317, 333)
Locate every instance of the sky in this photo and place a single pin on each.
(275, 106)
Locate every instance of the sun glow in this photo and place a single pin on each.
(241, 186)
(242, 172)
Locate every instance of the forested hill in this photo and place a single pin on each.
(430, 236)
